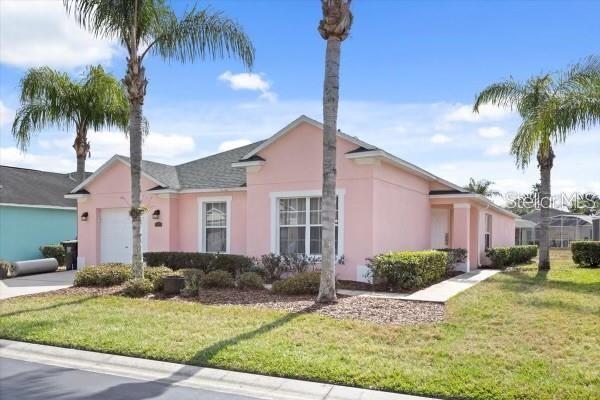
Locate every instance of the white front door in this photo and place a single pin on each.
(115, 235)
(440, 224)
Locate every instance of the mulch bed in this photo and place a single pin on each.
(376, 310)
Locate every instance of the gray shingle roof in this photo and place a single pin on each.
(29, 186)
(212, 172)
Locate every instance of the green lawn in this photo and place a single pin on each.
(519, 335)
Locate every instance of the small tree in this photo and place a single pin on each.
(151, 27)
(482, 187)
(551, 107)
(52, 98)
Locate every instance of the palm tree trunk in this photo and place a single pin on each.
(545, 161)
(330, 111)
(136, 86)
(82, 148)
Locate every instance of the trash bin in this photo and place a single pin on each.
(70, 254)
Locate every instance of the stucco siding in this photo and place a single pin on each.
(24, 229)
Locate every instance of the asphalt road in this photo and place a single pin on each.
(31, 381)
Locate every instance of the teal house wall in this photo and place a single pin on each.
(24, 229)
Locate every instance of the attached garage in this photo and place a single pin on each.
(115, 235)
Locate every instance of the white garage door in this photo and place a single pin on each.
(115, 235)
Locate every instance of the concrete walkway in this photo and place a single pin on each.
(438, 293)
(30, 284)
(260, 386)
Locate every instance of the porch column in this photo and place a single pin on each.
(461, 230)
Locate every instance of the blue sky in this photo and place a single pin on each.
(410, 71)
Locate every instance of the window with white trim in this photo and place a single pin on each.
(214, 221)
(488, 231)
(300, 226)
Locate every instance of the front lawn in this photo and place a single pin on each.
(519, 335)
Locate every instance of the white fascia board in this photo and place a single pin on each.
(107, 164)
(403, 164)
(37, 206)
(76, 196)
(477, 197)
(244, 164)
(295, 123)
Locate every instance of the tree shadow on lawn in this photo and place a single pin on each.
(45, 308)
(519, 281)
(155, 388)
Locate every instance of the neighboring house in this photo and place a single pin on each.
(265, 197)
(565, 227)
(34, 211)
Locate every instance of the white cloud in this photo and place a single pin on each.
(249, 81)
(6, 114)
(464, 113)
(496, 150)
(491, 132)
(12, 156)
(233, 144)
(35, 33)
(440, 139)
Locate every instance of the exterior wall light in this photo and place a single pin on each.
(156, 214)
(84, 216)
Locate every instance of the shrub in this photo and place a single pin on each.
(103, 275)
(5, 269)
(409, 270)
(297, 263)
(502, 257)
(455, 257)
(179, 260)
(138, 287)
(156, 276)
(273, 266)
(250, 280)
(217, 279)
(586, 254)
(192, 278)
(302, 283)
(54, 251)
(232, 263)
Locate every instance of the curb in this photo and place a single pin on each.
(239, 383)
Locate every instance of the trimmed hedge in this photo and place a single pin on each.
(103, 275)
(586, 253)
(5, 269)
(502, 257)
(138, 287)
(302, 283)
(179, 260)
(251, 281)
(409, 270)
(233, 263)
(156, 276)
(192, 278)
(455, 257)
(54, 251)
(217, 279)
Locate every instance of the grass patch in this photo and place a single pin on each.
(518, 335)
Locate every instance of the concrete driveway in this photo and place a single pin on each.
(39, 283)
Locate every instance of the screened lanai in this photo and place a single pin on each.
(564, 229)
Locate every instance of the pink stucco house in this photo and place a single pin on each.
(264, 197)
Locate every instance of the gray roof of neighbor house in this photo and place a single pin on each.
(33, 187)
(536, 217)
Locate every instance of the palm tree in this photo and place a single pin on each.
(151, 27)
(482, 187)
(334, 28)
(551, 106)
(52, 98)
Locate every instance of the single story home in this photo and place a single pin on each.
(265, 197)
(34, 211)
(565, 227)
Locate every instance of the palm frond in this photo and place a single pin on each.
(507, 94)
(34, 116)
(199, 35)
